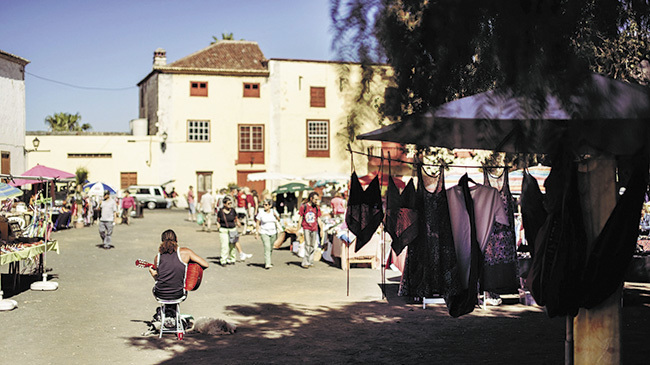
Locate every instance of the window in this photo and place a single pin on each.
(251, 144)
(90, 155)
(127, 179)
(251, 138)
(317, 97)
(203, 183)
(251, 90)
(198, 88)
(5, 164)
(198, 131)
(318, 142)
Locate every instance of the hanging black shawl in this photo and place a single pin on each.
(533, 214)
(561, 244)
(500, 255)
(365, 212)
(401, 215)
(614, 247)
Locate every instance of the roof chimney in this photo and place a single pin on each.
(159, 57)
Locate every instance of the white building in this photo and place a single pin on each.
(211, 118)
(12, 113)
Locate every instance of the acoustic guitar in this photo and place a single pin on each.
(192, 277)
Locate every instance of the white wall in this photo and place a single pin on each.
(12, 113)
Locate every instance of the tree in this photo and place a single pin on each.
(65, 122)
(224, 37)
(444, 50)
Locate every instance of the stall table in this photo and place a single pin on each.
(369, 253)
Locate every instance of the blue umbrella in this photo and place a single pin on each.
(7, 191)
(98, 188)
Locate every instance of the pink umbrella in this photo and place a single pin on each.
(41, 171)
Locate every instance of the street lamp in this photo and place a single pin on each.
(35, 142)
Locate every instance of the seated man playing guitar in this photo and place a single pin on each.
(170, 268)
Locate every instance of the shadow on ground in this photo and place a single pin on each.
(394, 332)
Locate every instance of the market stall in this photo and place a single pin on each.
(25, 235)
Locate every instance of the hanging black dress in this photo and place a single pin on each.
(401, 215)
(431, 268)
(365, 212)
(500, 255)
(533, 214)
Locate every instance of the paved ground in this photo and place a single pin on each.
(284, 315)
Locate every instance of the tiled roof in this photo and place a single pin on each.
(235, 56)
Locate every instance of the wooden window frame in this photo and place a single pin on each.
(317, 97)
(5, 162)
(251, 90)
(312, 152)
(199, 88)
(189, 132)
(246, 154)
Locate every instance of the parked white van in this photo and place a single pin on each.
(151, 196)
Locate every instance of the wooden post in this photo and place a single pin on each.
(596, 331)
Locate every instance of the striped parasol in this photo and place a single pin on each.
(7, 191)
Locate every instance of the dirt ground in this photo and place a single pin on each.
(284, 315)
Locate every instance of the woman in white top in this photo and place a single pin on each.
(267, 221)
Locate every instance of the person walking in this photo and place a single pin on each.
(128, 203)
(311, 224)
(227, 223)
(191, 203)
(267, 227)
(107, 220)
(338, 205)
(207, 208)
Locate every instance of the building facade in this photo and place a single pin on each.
(211, 118)
(12, 113)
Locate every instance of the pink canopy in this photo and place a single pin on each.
(41, 171)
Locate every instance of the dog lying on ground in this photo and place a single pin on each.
(212, 326)
(204, 325)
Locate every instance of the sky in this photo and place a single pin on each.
(105, 47)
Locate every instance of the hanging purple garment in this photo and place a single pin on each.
(365, 211)
(431, 268)
(401, 215)
(500, 255)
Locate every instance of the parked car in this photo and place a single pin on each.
(151, 196)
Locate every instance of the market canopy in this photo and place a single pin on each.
(98, 189)
(499, 120)
(292, 188)
(41, 171)
(7, 191)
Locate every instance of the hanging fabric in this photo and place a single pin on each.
(465, 302)
(401, 215)
(431, 268)
(488, 209)
(561, 243)
(500, 255)
(614, 247)
(533, 214)
(365, 212)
